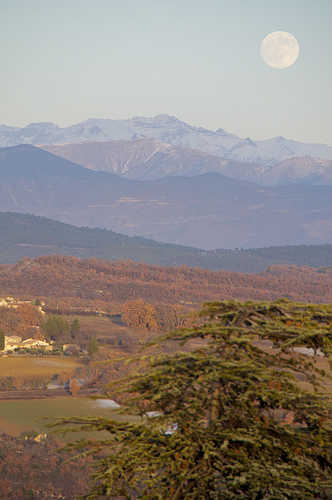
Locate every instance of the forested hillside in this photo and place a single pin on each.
(24, 235)
(77, 283)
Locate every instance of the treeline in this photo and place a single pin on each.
(311, 255)
(69, 282)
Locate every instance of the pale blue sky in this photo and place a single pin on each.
(68, 60)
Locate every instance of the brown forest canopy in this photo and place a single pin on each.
(23, 320)
(104, 282)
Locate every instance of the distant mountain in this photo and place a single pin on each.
(166, 129)
(304, 170)
(207, 211)
(23, 235)
(150, 159)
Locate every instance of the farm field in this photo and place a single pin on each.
(100, 327)
(320, 362)
(97, 324)
(20, 415)
(33, 367)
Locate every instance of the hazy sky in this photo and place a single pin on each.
(65, 61)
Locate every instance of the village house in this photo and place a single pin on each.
(40, 309)
(12, 342)
(15, 342)
(9, 302)
(35, 344)
(70, 347)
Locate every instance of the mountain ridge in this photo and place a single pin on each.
(167, 129)
(151, 159)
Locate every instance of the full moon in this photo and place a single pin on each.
(280, 49)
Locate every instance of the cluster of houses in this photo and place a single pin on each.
(13, 342)
(11, 303)
(8, 302)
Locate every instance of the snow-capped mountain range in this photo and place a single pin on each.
(167, 129)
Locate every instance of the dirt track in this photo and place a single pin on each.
(47, 393)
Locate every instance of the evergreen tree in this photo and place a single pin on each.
(229, 418)
(93, 347)
(75, 328)
(2, 339)
(56, 325)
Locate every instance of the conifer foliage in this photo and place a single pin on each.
(229, 420)
(2, 339)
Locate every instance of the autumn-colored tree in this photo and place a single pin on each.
(6, 487)
(139, 314)
(31, 470)
(64, 377)
(74, 387)
(30, 314)
(170, 317)
(217, 428)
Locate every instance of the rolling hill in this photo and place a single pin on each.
(78, 283)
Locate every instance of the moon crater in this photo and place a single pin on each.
(280, 49)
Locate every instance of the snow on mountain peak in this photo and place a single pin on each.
(160, 119)
(249, 141)
(167, 129)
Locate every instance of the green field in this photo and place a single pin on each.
(20, 415)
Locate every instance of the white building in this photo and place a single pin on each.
(15, 342)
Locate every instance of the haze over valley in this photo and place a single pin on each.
(208, 211)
